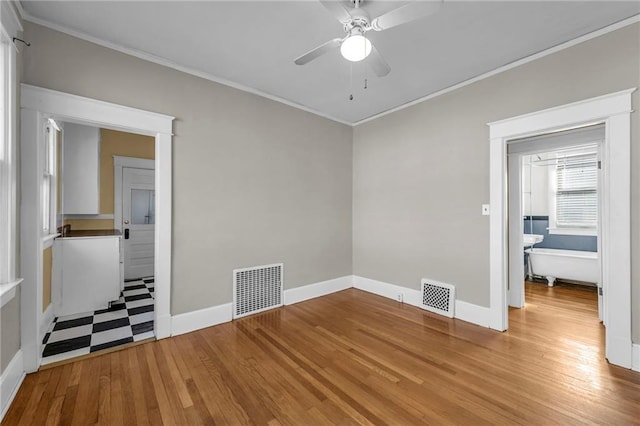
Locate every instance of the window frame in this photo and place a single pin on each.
(9, 27)
(49, 181)
(554, 227)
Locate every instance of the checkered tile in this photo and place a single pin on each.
(129, 319)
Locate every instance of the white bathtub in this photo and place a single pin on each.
(567, 264)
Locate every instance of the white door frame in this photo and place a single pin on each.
(120, 162)
(615, 111)
(39, 104)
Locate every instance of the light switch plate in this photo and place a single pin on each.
(485, 210)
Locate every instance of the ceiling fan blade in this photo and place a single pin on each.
(377, 63)
(410, 12)
(318, 51)
(337, 9)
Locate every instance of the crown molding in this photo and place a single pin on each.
(207, 76)
(170, 64)
(610, 28)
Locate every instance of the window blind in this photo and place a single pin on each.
(577, 189)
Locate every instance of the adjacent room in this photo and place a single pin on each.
(319, 212)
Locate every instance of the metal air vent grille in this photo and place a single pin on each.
(438, 297)
(257, 289)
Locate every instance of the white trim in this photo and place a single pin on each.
(47, 240)
(10, 382)
(613, 27)
(38, 105)
(47, 319)
(203, 318)
(9, 18)
(390, 291)
(169, 64)
(635, 362)
(164, 62)
(614, 110)
(120, 162)
(139, 163)
(557, 118)
(306, 292)
(465, 311)
(101, 216)
(8, 291)
(590, 232)
(208, 317)
(475, 314)
(78, 109)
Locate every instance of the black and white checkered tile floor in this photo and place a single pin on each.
(130, 319)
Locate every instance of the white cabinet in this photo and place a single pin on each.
(81, 169)
(87, 274)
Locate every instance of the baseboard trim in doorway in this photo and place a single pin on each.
(10, 382)
(202, 318)
(635, 357)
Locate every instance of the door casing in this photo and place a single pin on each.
(614, 110)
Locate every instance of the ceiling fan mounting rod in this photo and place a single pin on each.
(357, 24)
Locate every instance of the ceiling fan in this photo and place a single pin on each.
(357, 22)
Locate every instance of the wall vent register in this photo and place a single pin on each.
(438, 297)
(257, 289)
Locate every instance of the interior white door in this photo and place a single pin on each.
(138, 221)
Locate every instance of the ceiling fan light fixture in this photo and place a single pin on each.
(355, 48)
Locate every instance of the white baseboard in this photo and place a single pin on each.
(619, 351)
(163, 327)
(192, 321)
(203, 318)
(635, 357)
(47, 319)
(10, 382)
(306, 292)
(464, 311)
(475, 314)
(383, 289)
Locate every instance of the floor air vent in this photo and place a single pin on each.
(438, 297)
(256, 289)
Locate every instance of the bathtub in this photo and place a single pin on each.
(567, 264)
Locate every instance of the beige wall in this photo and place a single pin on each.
(254, 181)
(46, 277)
(421, 174)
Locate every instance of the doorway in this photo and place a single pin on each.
(38, 105)
(555, 188)
(93, 308)
(134, 214)
(614, 110)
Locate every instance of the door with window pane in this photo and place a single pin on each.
(138, 222)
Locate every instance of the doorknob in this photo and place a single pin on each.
(126, 222)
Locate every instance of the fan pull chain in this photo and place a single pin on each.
(351, 81)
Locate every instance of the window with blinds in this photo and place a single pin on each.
(576, 189)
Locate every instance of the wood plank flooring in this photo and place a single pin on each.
(352, 358)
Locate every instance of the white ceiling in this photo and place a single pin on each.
(253, 43)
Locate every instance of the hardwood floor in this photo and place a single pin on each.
(352, 358)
